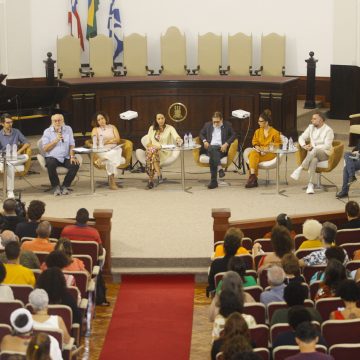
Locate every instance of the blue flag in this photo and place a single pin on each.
(114, 27)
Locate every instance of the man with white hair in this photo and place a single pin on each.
(27, 258)
(276, 277)
(58, 144)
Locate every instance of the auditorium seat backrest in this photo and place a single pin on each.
(344, 236)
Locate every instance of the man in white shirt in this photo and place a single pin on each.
(319, 137)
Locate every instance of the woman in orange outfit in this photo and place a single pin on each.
(264, 138)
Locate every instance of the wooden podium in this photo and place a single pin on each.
(344, 91)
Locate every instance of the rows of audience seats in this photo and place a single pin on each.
(270, 290)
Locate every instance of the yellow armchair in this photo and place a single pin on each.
(327, 165)
(203, 160)
(27, 165)
(127, 150)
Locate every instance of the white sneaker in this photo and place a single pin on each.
(10, 195)
(296, 173)
(310, 189)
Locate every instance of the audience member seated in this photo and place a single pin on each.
(39, 347)
(16, 273)
(34, 213)
(39, 300)
(41, 242)
(6, 294)
(235, 326)
(296, 315)
(81, 231)
(237, 264)
(231, 281)
(291, 267)
(306, 338)
(333, 275)
(352, 213)
(311, 231)
(282, 244)
(27, 258)
(295, 295)
(53, 282)
(10, 216)
(333, 252)
(236, 344)
(58, 259)
(349, 292)
(327, 236)
(237, 234)
(276, 277)
(284, 220)
(231, 246)
(230, 302)
(22, 325)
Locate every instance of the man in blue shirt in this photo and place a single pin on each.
(58, 145)
(9, 135)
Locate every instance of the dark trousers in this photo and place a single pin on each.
(52, 164)
(215, 156)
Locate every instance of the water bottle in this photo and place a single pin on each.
(291, 144)
(190, 139)
(94, 142)
(8, 151)
(186, 140)
(14, 152)
(101, 141)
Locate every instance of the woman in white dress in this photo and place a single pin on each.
(159, 134)
(108, 136)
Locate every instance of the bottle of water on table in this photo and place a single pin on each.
(190, 139)
(94, 142)
(186, 140)
(101, 141)
(8, 152)
(14, 154)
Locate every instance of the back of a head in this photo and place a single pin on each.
(275, 275)
(233, 345)
(348, 290)
(306, 332)
(295, 294)
(236, 325)
(281, 240)
(57, 258)
(39, 347)
(52, 280)
(328, 232)
(232, 281)
(64, 245)
(232, 241)
(12, 250)
(35, 210)
(9, 206)
(246, 355)
(334, 273)
(82, 216)
(290, 264)
(284, 220)
(238, 265)
(39, 299)
(335, 252)
(21, 321)
(352, 209)
(312, 229)
(230, 302)
(297, 315)
(8, 236)
(43, 230)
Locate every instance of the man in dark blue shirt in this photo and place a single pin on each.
(11, 136)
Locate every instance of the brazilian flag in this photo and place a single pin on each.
(91, 29)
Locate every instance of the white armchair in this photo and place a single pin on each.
(264, 165)
(140, 154)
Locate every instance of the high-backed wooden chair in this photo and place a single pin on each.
(209, 54)
(173, 52)
(135, 56)
(69, 58)
(239, 55)
(101, 52)
(272, 55)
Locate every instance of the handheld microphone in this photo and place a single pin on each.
(62, 139)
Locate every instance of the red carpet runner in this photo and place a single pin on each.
(152, 319)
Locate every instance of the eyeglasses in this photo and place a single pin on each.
(8, 122)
